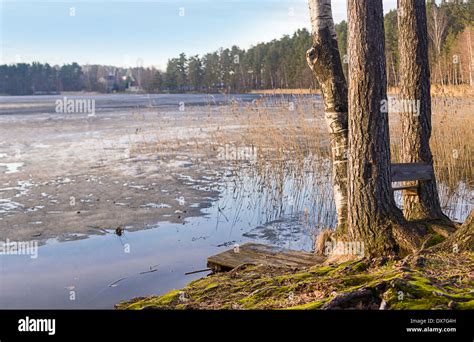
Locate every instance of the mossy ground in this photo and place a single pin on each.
(437, 281)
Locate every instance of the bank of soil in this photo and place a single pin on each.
(434, 281)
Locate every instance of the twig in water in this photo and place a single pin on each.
(114, 284)
(200, 271)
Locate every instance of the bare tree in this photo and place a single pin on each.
(373, 217)
(416, 118)
(471, 58)
(437, 25)
(325, 62)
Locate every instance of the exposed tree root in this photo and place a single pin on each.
(361, 297)
(409, 237)
(462, 239)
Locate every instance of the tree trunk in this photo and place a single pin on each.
(373, 217)
(471, 58)
(325, 62)
(416, 102)
(461, 241)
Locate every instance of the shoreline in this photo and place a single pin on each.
(437, 90)
(418, 281)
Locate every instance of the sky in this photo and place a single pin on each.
(147, 32)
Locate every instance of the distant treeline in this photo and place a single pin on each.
(450, 34)
(280, 63)
(27, 79)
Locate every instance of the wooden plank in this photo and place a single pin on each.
(259, 254)
(411, 172)
(407, 187)
(407, 190)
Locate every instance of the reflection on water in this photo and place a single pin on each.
(456, 202)
(103, 270)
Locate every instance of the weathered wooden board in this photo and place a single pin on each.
(407, 190)
(259, 254)
(411, 172)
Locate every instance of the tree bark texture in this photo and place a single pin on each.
(461, 241)
(416, 101)
(373, 217)
(325, 62)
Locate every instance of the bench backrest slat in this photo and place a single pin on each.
(411, 172)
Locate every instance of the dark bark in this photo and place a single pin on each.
(373, 217)
(462, 240)
(416, 100)
(351, 299)
(325, 62)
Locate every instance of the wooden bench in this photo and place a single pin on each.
(410, 172)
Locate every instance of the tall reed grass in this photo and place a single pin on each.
(289, 133)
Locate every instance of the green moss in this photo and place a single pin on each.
(321, 270)
(416, 304)
(434, 240)
(355, 280)
(264, 295)
(360, 266)
(419, 293)
(465, 305)
(386, 277)
(421, 287)
(309, 306)
(293, 277)
(203, 282)
(455, 290)
(157, 302)
(426, 288)
(211, 286)
(345, 266)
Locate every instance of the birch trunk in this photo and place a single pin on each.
(325, 62)
(416, 100)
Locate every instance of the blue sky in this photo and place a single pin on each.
(127, 33)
